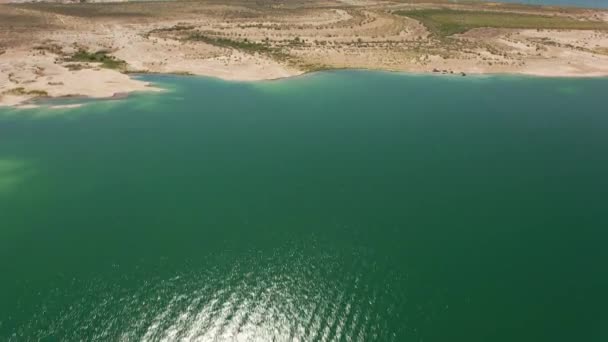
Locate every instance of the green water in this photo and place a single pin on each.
(339, 206)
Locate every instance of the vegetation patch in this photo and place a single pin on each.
(446, 22)
(22, 92)
(602, 51)
(102, 57)
(75, 66)
(314, 67)
(50, 47)
(243, 45)
(173, 29)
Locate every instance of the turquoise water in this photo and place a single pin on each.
(576, 3)
(338, 206)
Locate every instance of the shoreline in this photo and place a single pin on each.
(45, 101)
(94, 50)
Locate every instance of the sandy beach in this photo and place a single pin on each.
(89, 50)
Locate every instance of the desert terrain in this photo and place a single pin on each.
(58, 50)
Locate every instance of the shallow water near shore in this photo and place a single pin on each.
(336, 206)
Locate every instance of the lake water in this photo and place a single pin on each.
(577, 3)
(337, 206)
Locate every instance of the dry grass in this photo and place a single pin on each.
(446, 22)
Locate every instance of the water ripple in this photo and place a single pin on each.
(293, 298)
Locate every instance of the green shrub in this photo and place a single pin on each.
(107, 61)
